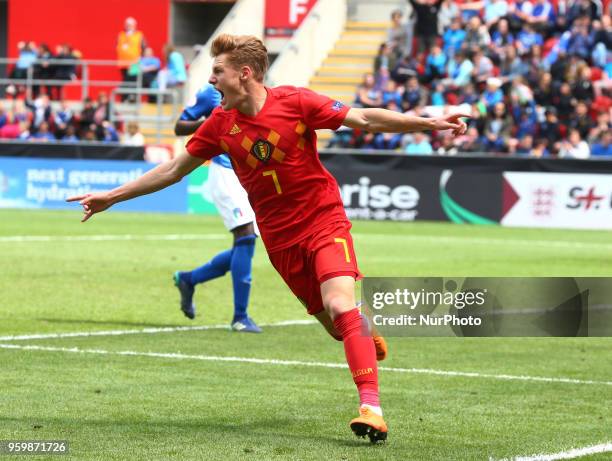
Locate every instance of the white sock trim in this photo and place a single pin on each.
(373, 409)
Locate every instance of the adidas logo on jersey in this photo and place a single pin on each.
(235, 130)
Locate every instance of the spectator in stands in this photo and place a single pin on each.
(498, 129)
(500, 39)
(133, 136)
(65, 72)
(477, 36)
(42, 133)
(469, 94)
(414, 95)
(437, 96)
(87, 117)
(418, 144)
(471, 141)
(493, 93)
(520, 93)
(41, 110)
(483, 67)
(519, 13)
(449, 11)
(453, 38)
(131, 44)
(391, 93)
(602, 41)
(459, 70)
(581, 121)
(564, 102)
(540, 149)
(581, 41)
(102, 109)
(426, 23)
(404, 69)
(26, 58)
(511, 65)
(70, 135)
(149, 66)
(582, 8)
(524, 146)
(385, 61)
(43, 70)
(175, 72)
(574, 147)
(368, 95)
(62, 119)
(543, 93)
(527, 38)
(542, 16)
(583, 86)
(494, 11)
(109, 133)
(602, 126)
(550, 130)
(435, 64)
(399, 36)
(603, 146)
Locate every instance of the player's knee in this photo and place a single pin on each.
(336, 304)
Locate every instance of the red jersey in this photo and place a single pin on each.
(275, 157)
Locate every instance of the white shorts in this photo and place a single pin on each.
(229, 197)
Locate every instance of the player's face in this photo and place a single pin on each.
(226, 79)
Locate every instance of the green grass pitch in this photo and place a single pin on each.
(194, 395)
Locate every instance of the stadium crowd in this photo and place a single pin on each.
(536, 77)
(38, 119)
(39, 122)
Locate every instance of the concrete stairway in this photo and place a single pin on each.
(343, 69)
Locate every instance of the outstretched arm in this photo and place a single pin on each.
(156, 179)
(387, 121)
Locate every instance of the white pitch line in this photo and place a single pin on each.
(78, 334)
(489, 241)
(109, 237)
(214, 358)
(418, 238)
(570, 454)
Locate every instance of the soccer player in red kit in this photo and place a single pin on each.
(269, 134)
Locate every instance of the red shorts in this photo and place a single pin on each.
(306, 265)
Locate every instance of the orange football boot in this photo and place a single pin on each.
(381, 347)
(370, 424)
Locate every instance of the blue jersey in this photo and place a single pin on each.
(206, 99)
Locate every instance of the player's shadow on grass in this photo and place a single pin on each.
(123, 323)
(277, 429)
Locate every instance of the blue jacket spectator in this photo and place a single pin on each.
(453, 38)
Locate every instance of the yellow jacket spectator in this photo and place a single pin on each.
(130, 45)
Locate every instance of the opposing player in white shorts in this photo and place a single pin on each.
(232, 203)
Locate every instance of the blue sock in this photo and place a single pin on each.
(241, 265)
(216, 267)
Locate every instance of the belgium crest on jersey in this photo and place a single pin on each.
(262, 150)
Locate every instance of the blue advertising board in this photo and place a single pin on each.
(42, 183)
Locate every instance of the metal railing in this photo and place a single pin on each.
(131, 90)
(83, 81)
(132, 112)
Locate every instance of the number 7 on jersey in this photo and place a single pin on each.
(275, 179)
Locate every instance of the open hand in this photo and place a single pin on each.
(92, 203)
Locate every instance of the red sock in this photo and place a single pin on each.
(360, 355)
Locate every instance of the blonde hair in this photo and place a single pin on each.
(242, 50)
